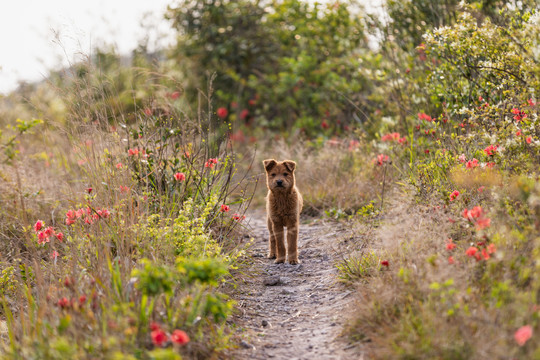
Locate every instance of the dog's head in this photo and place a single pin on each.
(279, 175)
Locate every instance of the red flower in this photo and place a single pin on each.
(471, 251)
(385, 263)
(491, 150)
(491, 248)
(481, 189)
(485, 254)
(381, 159)
(39, 224)
(60, 236)
(483, 223)
(82, 299)
(244, 114)
(450, 245)
(523, 334)
(325, 125)
(154, 326)
(252, 102)
(237, 217)
(147, 111)
(175, 95)
(133, 152)
(222, 112)
(179, 176)
(518, 133)
(518, 115)
(425, 117)
(179, 337)
(234, 104)
(462, 158)
(531, 102)
(71, 216)
(426, 151)
(224, 208)
(159, 337)
(210, 163)
(391, 137)
(471, 164)
(451, 260)
(454, 195)
(54, 254)
(63, 303)
(89, 190)
(528, 139)
(42, 237)
(119, 165)
(124, 189)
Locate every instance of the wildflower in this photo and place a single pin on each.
(471, 164)
(244, 114)
(175, 95)
(471, 251)
(224, 208)
(353, 144)
(518, 133)
(39, 224)
(154, 326)
(485, 254)
(82, 299)
(462, 158)
(451, 260)
(426, 151)
(531, 102)
(133, 152)
(402, 140)
(54, 255)
(490, 165)
(381, 159)
(210, 163)
(325, 125)
(391, 137)
(234, 104)
(60, 236)
(71, 216)
(179, 176)
(491, 248)
(159, 337)
(481, 189)
(42, 237)
(104, 213)
(222, 112)
(523, 334)
(124, 189)
(528, 139)
(179, 337)
(483, 223)
(252, 102)
(147, 111)
(385, 263)
(518, 115)
(119, 165)
(454, 195)
(423, 116)
(491, 150)
(237, 217)
(63, 303)
(89, 190)
(450, 245)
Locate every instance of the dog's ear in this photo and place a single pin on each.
(289, 164)
(269, 164)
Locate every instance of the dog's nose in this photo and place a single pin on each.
(279, 183)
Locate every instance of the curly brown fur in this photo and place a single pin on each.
(283, 206)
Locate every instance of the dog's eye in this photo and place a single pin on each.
(272, 175)
(285, 174)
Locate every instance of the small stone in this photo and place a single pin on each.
(246, 345)
(271, 281)
(264, 323)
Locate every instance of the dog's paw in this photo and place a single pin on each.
(294, 261)
(279, 261)
(271, 256)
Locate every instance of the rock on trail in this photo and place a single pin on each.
(293, 311)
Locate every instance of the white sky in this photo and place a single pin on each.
(28, 45)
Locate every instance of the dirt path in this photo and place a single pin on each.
(294, 311)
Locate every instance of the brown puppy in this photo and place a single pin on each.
(283, 206)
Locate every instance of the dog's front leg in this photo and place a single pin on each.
(279, 234)
(292, 244)
(272, 240)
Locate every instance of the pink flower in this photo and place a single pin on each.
(133, 152)
(491, 248)
(71, 216)
(523, 334)
(531, 102)
(528, 139)
(518, 133)
(39, 224)
(224, 208)
(119, 165)
(175, 95)
(222, 112)
(391, 137)
(462, 158)
(179, 176)
(471, 164)
(54, 255)
(124, 189)
(450, 245)
(483, 223)
(179, 337)
(148, 111)
(454, 195)
(60, 236)
(381, 159)
(481, 189)
(159, 337)
(353, 145)
(451, 260)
